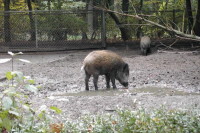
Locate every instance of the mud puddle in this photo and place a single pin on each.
(159, 91)
(155, 91)
(104, 92)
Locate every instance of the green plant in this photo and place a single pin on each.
(13, 57)
(14, 103)
(16, 113)
(140, 121)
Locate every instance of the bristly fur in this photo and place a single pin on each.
(145, 44)
(108, 63)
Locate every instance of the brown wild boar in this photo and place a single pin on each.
(104, 62)
(145, 44)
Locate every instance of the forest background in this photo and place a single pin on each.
(168, 17)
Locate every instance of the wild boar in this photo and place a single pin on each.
(104, 62)
(145, 45)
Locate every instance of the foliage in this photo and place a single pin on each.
(64, 5)
(16, 113)
(138, 121)
(16, 5)
(169, 13)
(13, 105)
(59, 25)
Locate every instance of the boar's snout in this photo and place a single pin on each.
(125, 84)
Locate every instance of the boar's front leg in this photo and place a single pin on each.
(87, 77)
(107, 81)
(95, 80)
(112, 77)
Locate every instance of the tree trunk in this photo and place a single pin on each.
(125, 34)
(139, 29)
(169, 29)
(124, 31)
(90, 18)
(189, 15)
(32, 24)
(7, 31)
(49, 4)
(174, 18)
(125, 6)
(197, 23)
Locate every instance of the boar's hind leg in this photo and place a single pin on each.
(107, 81)
(149, 50)
(87, 77)
(95, 80)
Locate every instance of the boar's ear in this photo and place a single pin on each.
(126, 68)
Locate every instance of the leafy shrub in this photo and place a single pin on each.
(16, 114)
(159, 121)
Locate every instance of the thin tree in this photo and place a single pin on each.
(7, 31)
(178, 33)
(125, 34)
(90, 17)
(32, 23)
(197, 22)
(139, 29)
(189, 15)
(49, 4)
(125, 9)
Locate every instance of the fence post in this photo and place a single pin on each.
(36, 31)
(103, 29)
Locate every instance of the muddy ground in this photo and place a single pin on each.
(170, 78)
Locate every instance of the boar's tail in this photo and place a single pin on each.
(82, 68)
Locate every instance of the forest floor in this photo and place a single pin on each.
(169, 78)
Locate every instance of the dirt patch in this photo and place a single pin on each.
(170, 79)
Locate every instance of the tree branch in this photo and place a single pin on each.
(169, 29)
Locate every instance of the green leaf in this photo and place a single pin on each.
(31, 81)
(5, 60)
(11, 53)
(19, 74)
(40, 115)
(7, 123)
(57, 110)
(10, 91)
(26, 107)
(9, 76)
(42, 130)
(14, 113)
(7, 102)
(1, 122)
(31, 88)
(19, 53)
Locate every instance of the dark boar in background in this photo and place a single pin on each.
(145, 45)
(104, 62)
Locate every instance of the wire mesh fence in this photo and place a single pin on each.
(51, 30)
(79, 29)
